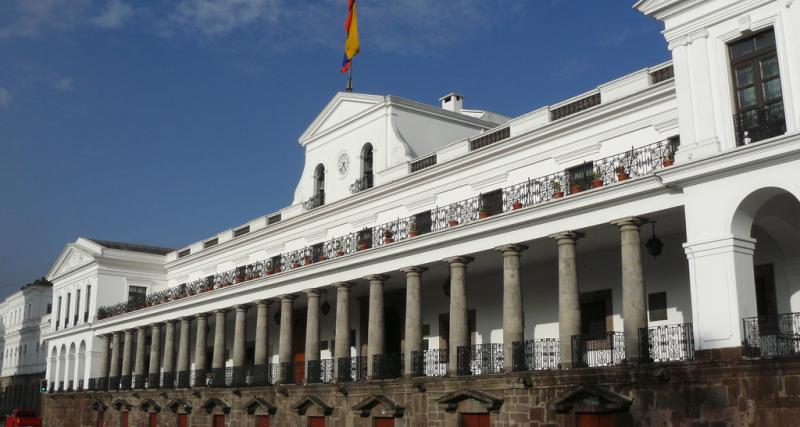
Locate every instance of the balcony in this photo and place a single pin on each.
(387, 366)
(772, 336)
(480, 359)
(361, 184)
(536, 355)
(598, 350)
(351, 369)
(670, 343)
(320, 371)
(429, 363)
(315, 201)
(759, 124)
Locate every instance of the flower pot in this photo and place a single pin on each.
(668, 162)
(270, 273)
(516, 205)
(362, 246)
(309, 261)
(340, 253)
(575, 189)
(387, 240)
(323, 258)
(597, 183)
(483, 214)
(453, 222)
(413, 234)
(622, 176)
(295, 264)
(558, 194)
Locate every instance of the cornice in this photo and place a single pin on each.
(674, 34)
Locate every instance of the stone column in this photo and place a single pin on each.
(262, 330)
(513, 316)
(126, 354)
(200, 363)
(375, 327)
(155, 351)
(103, 356)
(169, 347)
(138, 367)
(459, 316)
(240, 336)
(634, 305)
(569, 308)
(114, 372)
(183, 345)
(342, 338)
(312, 327)
(218, 357)
(285, 356)
(413, 327)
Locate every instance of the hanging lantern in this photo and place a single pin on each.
(654, 245)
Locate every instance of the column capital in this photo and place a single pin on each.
(266, 302)
(141, 328)
(463, 260)
(567, 237)
(630, 222)
(514, 248)
(377, 277)
(288, 298)
(312, 292)
(169, 322)
(199, 316)
(414, 270)
(241, 307)
(346, 285)
(156, 324)
(220, 311)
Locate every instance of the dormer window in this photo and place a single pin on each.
(318, 199)
(757, 88)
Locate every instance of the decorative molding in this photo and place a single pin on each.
(364, 221)
(789, 3)
(489, 183)
(74, 260)
(580, 153)
(424, 202)
(744, 23)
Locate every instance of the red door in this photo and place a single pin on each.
(475, 420)
(316, 421)
(101, 419)
(123, 418)
(262, 421)
(183, 420)
(219, 420)
(384, 422)
(595, 420)
(153, 419)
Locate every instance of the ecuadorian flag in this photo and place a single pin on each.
(351, 46)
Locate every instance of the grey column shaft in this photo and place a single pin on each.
(126, 354)
(200, 362)
(218, 357)
(138, 367)
(569, 310)
(634, 306)
(342, 338)
(413, 326)
(240, 336)
(459, 317)
(262, 331)
(285, 344)
(103, 356)
(169, 346)
(513, 317)
(312, 326)
(375, 326)
(114, 371)
(183, 345)
(155, 350)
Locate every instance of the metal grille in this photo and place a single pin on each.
(351, 369)
(662, 75)
(480, 359)
(429, 363)
(772, 336)
(315, 201)
(423, 163)
(759, 124)
(535, 355)
(387, 366)
(589, 351)
(667, 343)
(489, 138)
(575, 107)
(361, 184)
(320, 371)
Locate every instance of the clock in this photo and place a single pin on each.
(343, 164)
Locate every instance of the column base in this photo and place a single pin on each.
(719, 354)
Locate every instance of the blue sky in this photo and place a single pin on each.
(167, 121)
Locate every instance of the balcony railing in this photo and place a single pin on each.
(52, 387)
(113, 383)
(80, 384)
(61, 386)
(536, 355)
(320, 371)
(167, 380)
(93, 384)
(125, 382)
(351, 369)
(772, 336)
(598, 350)
(387, 366)
(361, 184)
(634, 163)
(480, 359)
(759, 124)
(315, 201)
(429, 363)
(139, 381)
(669, 343)
(70, 385)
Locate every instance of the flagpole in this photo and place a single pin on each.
(350, 77)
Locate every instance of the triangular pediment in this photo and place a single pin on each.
(591, 399)
(307, 402)
(74, 256)
(343, 108)
(380, 404)
(180, 405)
(450, 401)
(259, 403)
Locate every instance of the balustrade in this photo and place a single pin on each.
(606, 349)
(535, 355)
(480, 359)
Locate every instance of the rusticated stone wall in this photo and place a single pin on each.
(701, 394)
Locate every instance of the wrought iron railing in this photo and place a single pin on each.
(423, 163)
(125, 382)
(490, 138)
(258, 375)
(536, 355)
(153, 381)
(320, 371)
(61, 386)
(113, 383)
(70, 385)
(220, 377)
(315, 201)
(598, 350)
(80, 384)
(361, 184)
(168, 380)
(480, 359)
(634, 163)
(429, 363)
(668, 343)
(52, 387)
(662, 74)
(387, 366)
(351, 369)
(93, 384)
(759, 124)
(198, 378)
(575, 107)
(139, 381)
(772, 336)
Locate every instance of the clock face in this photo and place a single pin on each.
(343, 164)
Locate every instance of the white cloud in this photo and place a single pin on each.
(5, 97)
(220, 17)
(30, 18)
(63, 84)
(115, 15)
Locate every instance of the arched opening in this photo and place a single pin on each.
(771, 217)
(69, 379)
(319, 179)
(53, 374)
(366, 166)
(81, 365)
(62, 367)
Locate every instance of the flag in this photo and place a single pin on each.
(351, 46)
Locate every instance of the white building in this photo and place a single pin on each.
(540, 229)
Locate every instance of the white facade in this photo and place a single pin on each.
(25, 322)
(720, 210)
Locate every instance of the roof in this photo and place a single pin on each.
(133, 247)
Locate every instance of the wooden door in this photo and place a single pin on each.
(219, 421)
(299, 347)
(101, 419)
(153, 419)
(595, 420)
(316, 421)
(123, 418)
(183, 420)
(474, 420)
(262, 421)
(384, 422)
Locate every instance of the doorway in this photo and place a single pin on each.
(383, 422)
(219, 420)
(153, 419)
(316, 421)
(766, 300)
(183, 420)
(299, 346)
(262, 421)
(475, 420)
(596, 420)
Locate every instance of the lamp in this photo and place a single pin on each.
(654, 245)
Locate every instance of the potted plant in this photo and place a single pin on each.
(483, 213)
(575, 188)
(339, 250)
(388, 237)
(308, 260)
(322, 257)
(412, 230)
(516, 205)
(597, 182)
(669, 160)
(452, 222)
(557, 193)
(362, 245)
(622, 174)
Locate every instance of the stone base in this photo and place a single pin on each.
(728, 354)
(741, 392)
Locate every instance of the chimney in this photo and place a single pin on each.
(452, 102)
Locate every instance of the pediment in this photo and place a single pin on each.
(380, 404)
(450, 401)
(257, 403)
(98, 406)
(591, 399)
(71, 258)
(121, 404)
(307, 402)
(341, 109)
(216, 403)
(149, 404)
(180, 404)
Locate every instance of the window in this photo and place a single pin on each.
(66, 319)
(581, 176)
(596, 314)
(210, 243)
(317, 252)
(242, 231)
(757, 88)
(184, 252)
(365, 238)
(137, 294)
(274, 218)
(492, 202)
(366, 165)
(319, 179)
(219, 421)
(49, 308)
(77, 304)
(86, 305)
(422, 222)
(657, 306)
